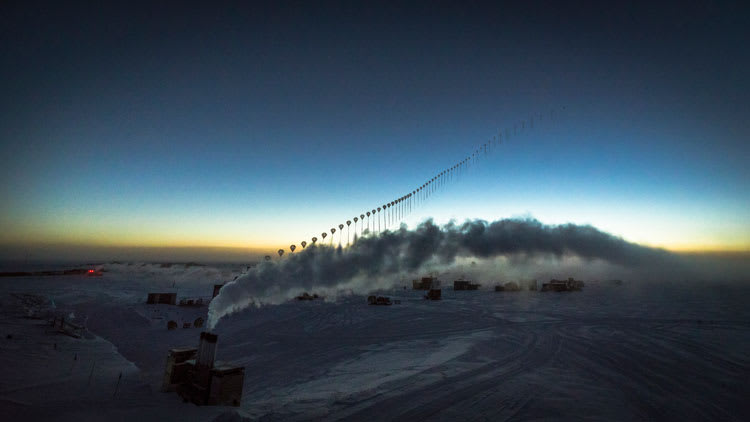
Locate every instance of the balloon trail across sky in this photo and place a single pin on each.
(389, 214)
(381, 262)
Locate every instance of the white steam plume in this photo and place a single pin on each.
(376, 262)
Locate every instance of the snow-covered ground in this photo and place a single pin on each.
(660, 351)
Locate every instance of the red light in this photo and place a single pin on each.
(91, 271)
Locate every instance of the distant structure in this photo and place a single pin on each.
(67, 327)
(308, 296)
(179, 362)
(379, 300)
(568, 285)
(433, 294)
(508, 287)
(217, 289)
(426, 283)
(193, 373)
(162, 298)
(462, 284)
(193, 302)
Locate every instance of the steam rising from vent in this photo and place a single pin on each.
(375, 262)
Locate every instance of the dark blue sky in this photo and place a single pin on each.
(257, 125)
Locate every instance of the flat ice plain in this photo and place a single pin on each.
(656, 351)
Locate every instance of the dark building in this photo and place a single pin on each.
(197, 302)
(162, 298)
(217, 289)
(568, 285)
(196, 378)
(379, 300)
(461, 284)
(426, 283)
(179, 362)
(308, 296)
(434, 294)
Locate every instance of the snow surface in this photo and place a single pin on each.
(660, 351)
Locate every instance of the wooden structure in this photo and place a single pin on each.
(226, 385)
(197, 302)
(462, 284)
(434, 294)
(162, 298)
(179, 361)
(379, 300)
(426, 283)
(197, 379)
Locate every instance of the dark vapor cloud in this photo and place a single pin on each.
(374, 261)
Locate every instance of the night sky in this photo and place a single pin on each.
(257, 126)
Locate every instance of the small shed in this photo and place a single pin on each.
(462, 284)
(434, 294)
(379, 300)
(162, 298)
(426, 283)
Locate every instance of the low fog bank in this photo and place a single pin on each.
(489, 252)
(21, 254)
(192, 275)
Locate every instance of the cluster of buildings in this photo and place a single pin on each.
(171, 298)
(197, 378)
(432, 285)
(462, 284)
(568, 285)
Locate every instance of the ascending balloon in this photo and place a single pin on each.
(333, 230)
(314, 239)
(292, 248)
(348, 223)
(281, 252)
(303, 243)
(268, 257)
